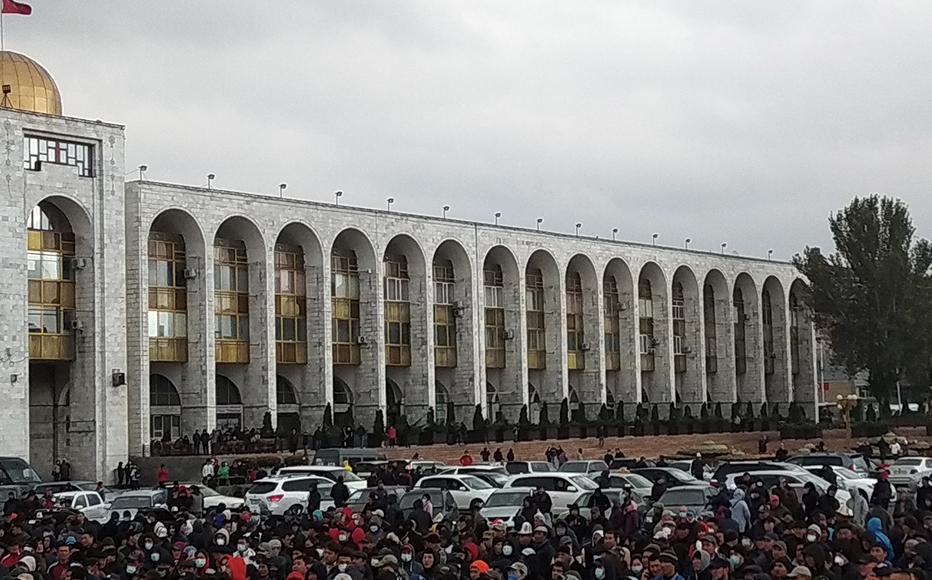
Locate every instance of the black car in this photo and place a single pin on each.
(673, 475)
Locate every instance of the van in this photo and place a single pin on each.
(17, 475)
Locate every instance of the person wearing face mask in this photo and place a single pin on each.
(740, 512)
(409, 565)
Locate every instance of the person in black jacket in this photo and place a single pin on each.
(339, 492)
(313, 498)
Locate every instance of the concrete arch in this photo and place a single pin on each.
(775, 342)
(502, 329)
(182, 222)
(310, 380)
(359, 242)
(245, 229)
(464, 391)
(413, 372)
(749, 371)
(621, 328)
(655, 342)
(802, 345)
(718, 326)
(585, 364)
(688, 375)
(546, 334)
(74, 211)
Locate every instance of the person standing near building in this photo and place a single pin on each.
(161, 477)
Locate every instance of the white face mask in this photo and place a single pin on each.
(507, 549)
(154, 556)
(406, 556)
(343, 537)
(200, 562)
(221, 541)
(811, 538)
(242, 547)
(131, 570)
(341, 567)
(600, 572)
(840, 560)
(637, 568)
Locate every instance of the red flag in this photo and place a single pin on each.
(13, 7)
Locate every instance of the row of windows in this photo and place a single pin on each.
(39, 150)
(50, 320)
(48, 265)
(167, 324)
(232, 327)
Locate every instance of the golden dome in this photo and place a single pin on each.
(31, 87)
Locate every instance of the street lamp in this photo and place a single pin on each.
(769, 254)
(281, 189)
(614, 233)
(724, 245)
(210, 179)
(142, 171)
(446, 208)
(653, 239)
(686, 242)
(578, 225)
(539, 221)
(389, 202)
(498, 215)
(336, 197)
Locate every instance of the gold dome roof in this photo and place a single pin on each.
(31, 87)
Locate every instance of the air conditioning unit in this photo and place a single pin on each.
(190, 273)
(362, 341)
(654, 342)
(509, 335)
(747, 317)
(687, 350)
(78, 263)
(77, 325)
(622, 306)
(585, 347)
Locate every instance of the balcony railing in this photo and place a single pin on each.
(51, 347)
(232, 351)
(168, 350)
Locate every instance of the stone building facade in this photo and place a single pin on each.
(140, 310)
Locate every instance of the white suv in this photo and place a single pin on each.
(464, 488)
(277, 495)
(563, 488)
(352, 481)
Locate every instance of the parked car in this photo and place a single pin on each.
(330, 472)
(504, 504)
(563, 488)
(213, 498)
(465, 488)
(694, 498)
(741, 467)
(673, 475)
(848, 479)
(853, 461)
(494, 478)
(796, 479)
(905, 471)
(622, 479)
(278, 496)
(87, 502)
(335, 456)
(517, 467)
(427, 466)
(445, 508)
(687, 466)
(358, 499)
(614, 495)
(61, 486)
(17, 475)
(139, 499)
(584, 467)
(474, 469)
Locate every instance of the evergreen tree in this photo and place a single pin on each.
(654, 413)
(523, 420)
(327, 421)
(763, 410)
(378, 425)
(478, 421)
(564, 412)
(718, 410)
(749, 411)
(451, 412)
(543, 418)
(704, 411)
(580, 413)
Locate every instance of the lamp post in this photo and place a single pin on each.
(539, 221)
(389, 203)
(498, 216)
(724, 245)
(614, 233)
(578, 225)
(446, 208)
(653, 239)
(281, 189)
(336, 197)
(686, 242)
(142, 171)
(210, 179)
(769, 254)
(847, 403)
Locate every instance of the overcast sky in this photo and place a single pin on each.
(741, 121)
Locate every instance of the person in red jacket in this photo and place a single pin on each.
(466, 459)
(162, 475)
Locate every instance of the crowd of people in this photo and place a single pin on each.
(749, 533)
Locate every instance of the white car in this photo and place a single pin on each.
(504, 504)
(563, 488)
(280, 495)
(87, 502)
(796, 479)
(331, 472)
(134, 500)
(464, 488)
(905, 471)
(473, 469)
(213, 498)
(850, 480)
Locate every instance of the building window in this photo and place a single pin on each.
(575, 335)
(344, 288)
(50, 250)
(536, 330)
(397, 312)
(708, 315)
(679, 328)
(494, 286)
(767, 322)
(741, 361)
(444, 315)
(290, 305)
(646, 340)
(231, 285)
(612, 301)
(40, 150)
(168, 319)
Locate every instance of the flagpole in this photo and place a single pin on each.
(1, 31)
